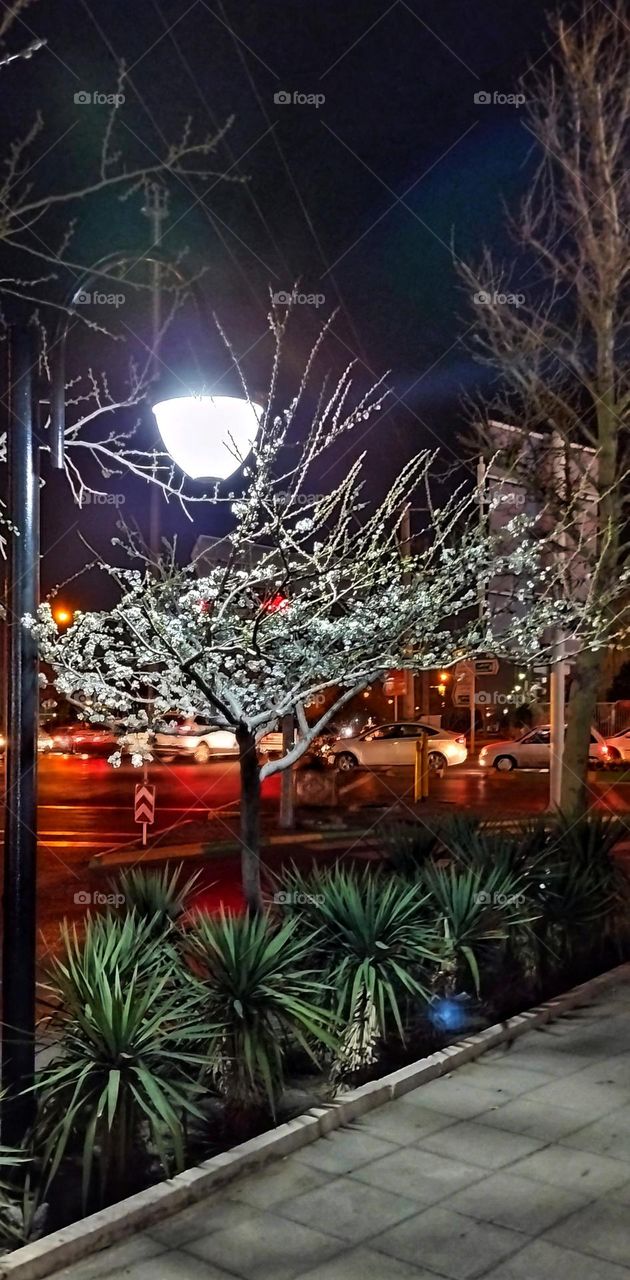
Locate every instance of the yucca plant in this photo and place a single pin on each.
(159, 896)
(124, 946)
(475, 907)
(584, 892)
(261, 987)
(408, 845)
(376, 946)
(22, 1218)
(128, 1064)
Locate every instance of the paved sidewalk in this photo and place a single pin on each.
(516, 1167)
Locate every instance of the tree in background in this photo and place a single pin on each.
(314, 594)
(554, 325)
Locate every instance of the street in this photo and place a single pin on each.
(86, 809)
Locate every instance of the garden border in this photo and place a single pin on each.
(111, 1225)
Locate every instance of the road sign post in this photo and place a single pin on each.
(144, 807)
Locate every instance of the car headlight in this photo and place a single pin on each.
(483, 753)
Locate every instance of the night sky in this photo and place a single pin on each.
(360, 197)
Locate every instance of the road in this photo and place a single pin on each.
(86, 808)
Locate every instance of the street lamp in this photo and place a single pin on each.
(209, 437)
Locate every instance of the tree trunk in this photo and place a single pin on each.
(580, 717)
(250, 819)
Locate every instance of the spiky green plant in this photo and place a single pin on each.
(376, 946)
(474, 907)
(261, 988)
(123, 946)
(408, 845)
(128, 1060)
(160, 896)
(584, 892)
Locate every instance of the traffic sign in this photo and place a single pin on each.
(462, 696)
(394, 684)
(144, 806)
(486, 666)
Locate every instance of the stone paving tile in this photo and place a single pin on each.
(403, 1125)
(543, 1261)
(608, 1136)
(536, 1054)
(424, 1176)
(575, 1093)
(448, 1243)
(265, 1247)
(213, 1213)
(602, 1229)
(116, 1259)
(611, 1071)
(174, 1265)
(366, 1264)
(579, 1170)
(349, 1209)
(343, 1150)
(278, 1181)
(479, 1144)
(520, 1203)
(452, 1097)
(506, 1077)
(533, 1119)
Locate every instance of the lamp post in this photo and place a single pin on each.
(200, 432)
(20, 808)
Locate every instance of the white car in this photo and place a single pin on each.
(533, 749)
(619, 746)
(205, 742)
(395, 744)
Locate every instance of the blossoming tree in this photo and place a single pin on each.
(314, 594)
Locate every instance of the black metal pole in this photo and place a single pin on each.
(20, 829)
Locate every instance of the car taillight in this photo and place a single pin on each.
(461, 738)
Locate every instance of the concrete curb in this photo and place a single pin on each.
(138, 1212)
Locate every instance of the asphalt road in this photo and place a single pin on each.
(86, 808)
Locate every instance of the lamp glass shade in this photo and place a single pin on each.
(209, 437)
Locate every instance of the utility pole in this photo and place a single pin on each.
(409, 695)
(156, 210)
(20, 809)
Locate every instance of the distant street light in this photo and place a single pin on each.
(209, 437)
(62, 616)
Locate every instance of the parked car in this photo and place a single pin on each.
(44, 743)
(395, 744)
(619, 743)
(204, 742)
(82, 738)
(533, 749)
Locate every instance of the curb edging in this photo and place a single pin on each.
(110, 1226)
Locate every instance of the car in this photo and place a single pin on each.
(619, 744)
(195, 737)
(533, 749)
(395, 744)
(44, 743)
(82, 738)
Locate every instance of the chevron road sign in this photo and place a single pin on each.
(144, 806)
